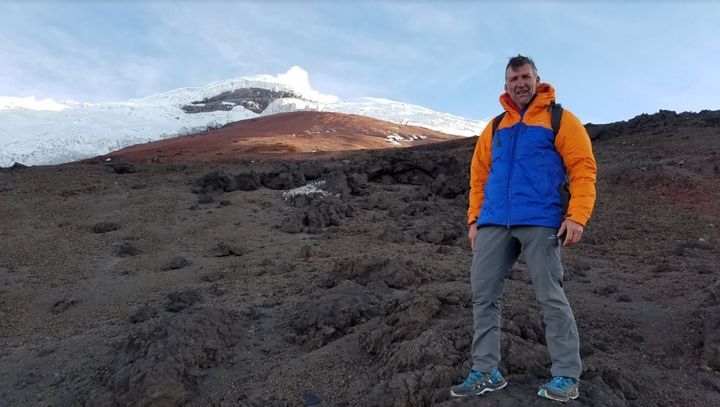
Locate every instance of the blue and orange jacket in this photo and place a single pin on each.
(516, 176)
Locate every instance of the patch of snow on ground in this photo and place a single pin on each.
(312, 188)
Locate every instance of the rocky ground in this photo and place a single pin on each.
(222, 285)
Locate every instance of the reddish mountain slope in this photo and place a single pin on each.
(283, 135)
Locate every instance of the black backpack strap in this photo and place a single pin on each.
(496, 122)
(556, 112)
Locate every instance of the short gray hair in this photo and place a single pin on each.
(520, 60)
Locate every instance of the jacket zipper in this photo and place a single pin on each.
(514, 135)
(510, 172)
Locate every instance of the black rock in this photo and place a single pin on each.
(358, 183)
(224, 249)
(214, 181)
(127, 249)
(307, 252)
(17, 166)
(104, 227)
(247, 182)
(586, 349)
(392, 234)
(122, 167)
(180, 300)
(212, 276)
(143, 314)
(711, 383)
(282, 180)
(63, 305)
(620, 381)
(309, 399)
(175, 264)
(254, 99)
(636, 337)
(711, 344)
(606, 290)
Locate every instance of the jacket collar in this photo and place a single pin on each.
(544, 95)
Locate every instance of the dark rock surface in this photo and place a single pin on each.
(355, 291)
(254, 99)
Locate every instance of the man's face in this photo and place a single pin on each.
(520, 84)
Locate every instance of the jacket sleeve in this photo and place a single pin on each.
(479, 170)
(573, 144)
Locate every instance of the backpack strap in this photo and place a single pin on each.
(556, 112)
(496, 122)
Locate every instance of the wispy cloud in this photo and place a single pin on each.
(448, 56)
(44, 56)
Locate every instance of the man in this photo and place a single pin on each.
(516, 178)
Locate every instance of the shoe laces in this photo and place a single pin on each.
(561, 382)
(474, 377)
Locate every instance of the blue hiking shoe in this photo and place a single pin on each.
(560, 388)
(478, 383)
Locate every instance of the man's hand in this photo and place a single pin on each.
(472, 232)
(572, 230)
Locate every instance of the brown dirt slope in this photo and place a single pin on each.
(206, 284)
(284, 135)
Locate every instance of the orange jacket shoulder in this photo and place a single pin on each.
(573, 144)
(479, 170)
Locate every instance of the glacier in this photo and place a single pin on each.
(45, 132)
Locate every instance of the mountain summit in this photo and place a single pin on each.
(53, 133)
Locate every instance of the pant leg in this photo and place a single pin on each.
(541, 249)
(495, 252)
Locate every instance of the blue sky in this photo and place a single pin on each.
(608, 61)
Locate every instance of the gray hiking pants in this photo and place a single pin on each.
(496, 250)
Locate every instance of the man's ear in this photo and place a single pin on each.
(538, 79)
(506, 87)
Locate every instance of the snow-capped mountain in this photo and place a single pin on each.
(42, 132)
(384, 109)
